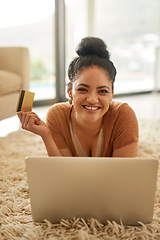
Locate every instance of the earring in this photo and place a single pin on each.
(70, 100)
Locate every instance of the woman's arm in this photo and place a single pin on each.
(126, 133)
(129, 150)
(31, 122)
(52, 148)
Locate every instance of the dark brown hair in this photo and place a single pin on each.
(91, 51)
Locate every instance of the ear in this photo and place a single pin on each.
(112, 96)
(69, 89)
(112, 93)
(70, 94)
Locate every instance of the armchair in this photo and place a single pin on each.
(14, 75)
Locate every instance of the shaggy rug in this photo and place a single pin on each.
(15, 210)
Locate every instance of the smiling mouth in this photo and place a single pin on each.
(92, 108)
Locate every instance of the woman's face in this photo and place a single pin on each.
(91, 93)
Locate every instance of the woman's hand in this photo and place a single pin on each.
(31, 122)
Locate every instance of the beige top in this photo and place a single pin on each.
(78, 147)
(120, 128)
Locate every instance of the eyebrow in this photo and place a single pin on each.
(85, 85)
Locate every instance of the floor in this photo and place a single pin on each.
(146, 106)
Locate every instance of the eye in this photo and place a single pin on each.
(103, 91)
(82, 90)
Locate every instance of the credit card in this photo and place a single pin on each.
(25, 100)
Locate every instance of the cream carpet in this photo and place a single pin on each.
(15, 211)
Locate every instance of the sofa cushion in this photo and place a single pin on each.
(9, 82)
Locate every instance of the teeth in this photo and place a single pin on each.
(91, 108)
(94, 108)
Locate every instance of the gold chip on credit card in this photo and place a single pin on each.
(25, 100)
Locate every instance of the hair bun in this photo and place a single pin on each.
(92, 46)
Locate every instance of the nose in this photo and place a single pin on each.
(92, 98)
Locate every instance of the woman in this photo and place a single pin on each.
(90, 124)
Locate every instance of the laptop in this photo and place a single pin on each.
(115, 189)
